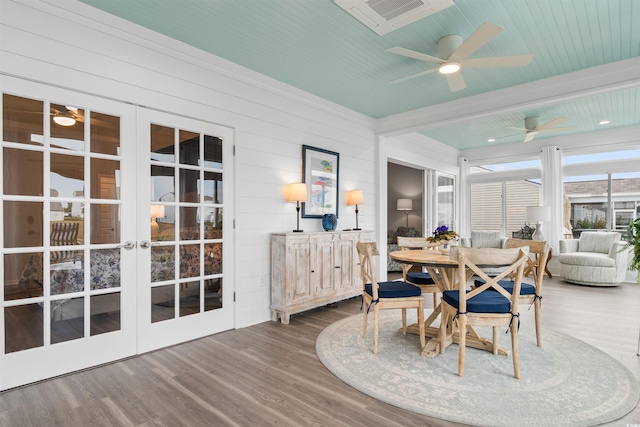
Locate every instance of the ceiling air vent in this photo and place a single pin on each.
(384, 16)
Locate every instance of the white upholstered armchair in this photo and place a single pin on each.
(596, 259)
(486, 239)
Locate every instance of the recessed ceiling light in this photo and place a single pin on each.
(491, 140)
(604, 122)
(449, 67)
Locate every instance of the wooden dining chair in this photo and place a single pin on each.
(386, 295)
(421, 278)
(63, 234)
(529, 293)
(488, 304)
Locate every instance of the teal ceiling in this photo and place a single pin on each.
(316, 46)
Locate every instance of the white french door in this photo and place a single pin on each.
(112, 231)
(69, 289)
(185, 216)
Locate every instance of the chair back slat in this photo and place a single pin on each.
(63, 234)
(537, 265)
(475, 259)
(366, 251)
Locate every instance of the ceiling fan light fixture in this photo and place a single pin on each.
(63, 120)
(449, 68)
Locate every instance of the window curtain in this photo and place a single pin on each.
(463, 199)
(552, 193)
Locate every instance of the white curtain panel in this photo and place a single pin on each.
(552, 193)
(463, 198)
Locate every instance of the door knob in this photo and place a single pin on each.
(145, 244)
(128, 245)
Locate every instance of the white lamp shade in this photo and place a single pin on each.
(405, 204)
(538, 213)
(355, 197)
(297, 192)
(157, 211)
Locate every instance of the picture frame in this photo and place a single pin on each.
(321, 172)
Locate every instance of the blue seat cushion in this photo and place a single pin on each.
(394, 290)
(525, 288)
(420, 278)
(484, 302)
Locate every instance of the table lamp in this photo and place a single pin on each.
(405, 205)
(538, 214)
(297, 193)
(156, 211)
(356, 198)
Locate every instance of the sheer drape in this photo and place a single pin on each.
(463, 198)
(552, 192)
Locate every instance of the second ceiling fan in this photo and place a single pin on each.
(453, 53)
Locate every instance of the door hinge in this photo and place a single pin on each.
(234, 223)
(234, 150)
(234, 296)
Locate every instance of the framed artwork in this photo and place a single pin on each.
(320, 172)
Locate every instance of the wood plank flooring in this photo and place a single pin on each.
(268, 374)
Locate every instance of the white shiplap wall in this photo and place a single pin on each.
(74, 46)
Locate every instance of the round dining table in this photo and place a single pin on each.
(444, 272)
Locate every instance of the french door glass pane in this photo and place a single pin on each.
(22, 224)
(67, 176)
(22, 277)
(162, 303)
(22, 120)
(22, 172)
(189, 298)
(162, 143)
(67, 324)
(105, 313)
(105, 134)
(23, 327)
(70, 137)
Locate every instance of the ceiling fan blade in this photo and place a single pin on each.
(515, 128)
(498, 61)
(479, 38)
(564, 129)
(530, 136)
(552, 123)
(456, 81)
(412, 76)
(415, 55)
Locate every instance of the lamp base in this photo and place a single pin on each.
(537, 235)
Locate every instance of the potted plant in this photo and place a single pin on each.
(633, 243)
(443, 236)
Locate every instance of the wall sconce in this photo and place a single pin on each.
(356, 198)
(538, 214)
(157, 211)
(297, 193)
(405, 205)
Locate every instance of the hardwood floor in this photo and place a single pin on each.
(268, 374)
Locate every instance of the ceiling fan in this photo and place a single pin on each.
(453, 53)
(532, 128)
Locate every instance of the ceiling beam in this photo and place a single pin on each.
(588, 82)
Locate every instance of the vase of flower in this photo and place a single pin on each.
(445, 238)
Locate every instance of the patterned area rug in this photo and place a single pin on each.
(565, 383)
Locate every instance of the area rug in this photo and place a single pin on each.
(564, 383)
